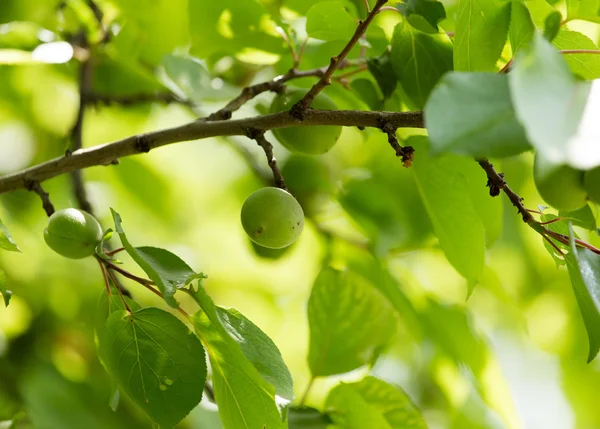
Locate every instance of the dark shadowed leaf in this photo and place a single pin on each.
(472, 114)
(158, 362)
(383, 72)
(423, 15)
(552, 25)
(583, 217)
(584, 271)
(349, 320)
(307, 418)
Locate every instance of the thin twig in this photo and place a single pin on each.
(300, 108)
(289, 44)
(47, 205)
(114, 279)
(114, 252)
(127, 274)
(306, 392)
(107, 154)
(259, 137)
(367, 7)
(104, 276)
(496, 182)
(406, 153)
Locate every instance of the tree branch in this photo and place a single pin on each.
(45, 196)
(300, 108)
(110, 153)
(259, 137)
(496, 183)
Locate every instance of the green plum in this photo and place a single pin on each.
(73, 233)
(591, 182)
(308, 140)
(559, 185)
(272, 218)
(267, 253)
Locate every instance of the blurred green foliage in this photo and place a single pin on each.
(513, 355)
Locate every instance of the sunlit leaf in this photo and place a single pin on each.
(522, 28)
(349, 321)
(373, 403)
(587, 66)
(260, 350)
(481, 32)
(588, 10)
(167, 270)
(158, 362)
(446, 195)
(6, 240)
(329, 20)
(419, 61)
(245, 398)
(584, 271)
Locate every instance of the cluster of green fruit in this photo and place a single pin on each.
(564, 187)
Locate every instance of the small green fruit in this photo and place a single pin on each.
(267, 253)
(308, 140)
(560, 186)
(272, 218)
(591, 183)
(73, 233)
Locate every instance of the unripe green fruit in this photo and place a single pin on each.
(308, 140)
(73, 233)
(267, 253)
(272, 218)
(591, 183)
(560, 186)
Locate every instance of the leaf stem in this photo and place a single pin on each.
(307, 391)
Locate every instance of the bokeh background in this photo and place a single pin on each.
(512, 355)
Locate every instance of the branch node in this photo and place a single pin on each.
(35, 186)
(143, 144)
(406, 153)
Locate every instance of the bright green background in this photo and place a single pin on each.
(512, 355)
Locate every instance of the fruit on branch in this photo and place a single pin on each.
(311, 180)
(308, 140)
(559, 185)
(73, 233)
(272, 218)
(591, 182)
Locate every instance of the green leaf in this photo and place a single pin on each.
(6, 240)
(586, 66)
(228, 27)
(561, 227)
(472, 114)
(550, 105)
(168, 21)
(584, 271)
(419, 61)
(100, 247)
(445, 192)
(349, 320)
(588, 10)
(260, 350)
(522, 28)
(552, 25)
(158, 362)
(383, 72)
(245, 398)
(6, 294)
(583, 217)
(167, 270)
(367, 92)
(373, 403)
(481, 32)
(424, 15)
(330, 20)
(307, 418)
